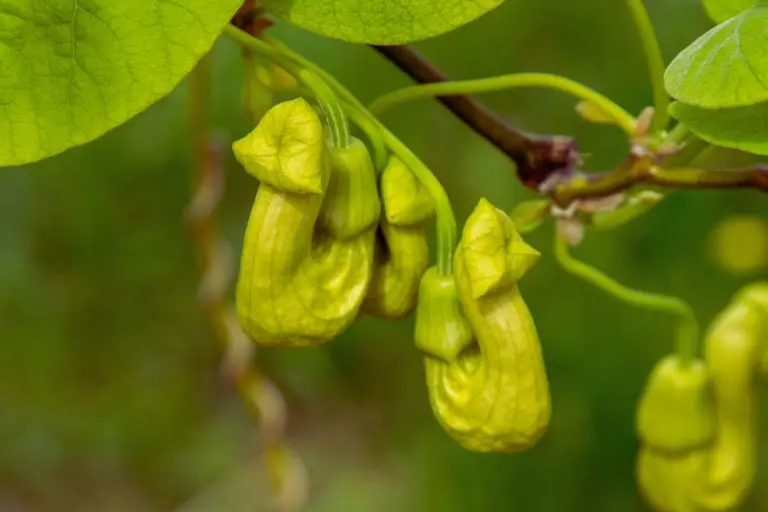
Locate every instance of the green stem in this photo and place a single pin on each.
(655, 61)
(619, 116)
(372, 132)
(677, 135)
(688, 330)
(334, 114)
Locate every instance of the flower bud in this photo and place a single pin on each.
(353, 200)
(295, 163)
(299, 284)
(441, 329)
(675, 413)
(499, 256)
(402, 254)
(256, 95)
(403, 197)
(494, 397)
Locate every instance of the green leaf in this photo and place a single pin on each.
(72, 69)
(722, 10)
(743, 128)
(726, 67)
(379, 21)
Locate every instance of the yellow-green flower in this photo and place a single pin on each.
(307, 256)
(494, 396)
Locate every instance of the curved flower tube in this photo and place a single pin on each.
(717, 477)
(308, 250)
(495, 395)
(402, 254)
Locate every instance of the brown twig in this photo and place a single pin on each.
(545, 159)
(537, 157)
(647, 171)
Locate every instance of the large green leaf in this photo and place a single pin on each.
(726, 67)
(72, 69)
(722, 10)
(744, 128)
(380, 21)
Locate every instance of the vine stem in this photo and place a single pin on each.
(286, 471)
(688, 330)
(296, 63)
(656, 64)
(372, 132)
(619, 116)
(334, 114)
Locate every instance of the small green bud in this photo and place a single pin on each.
(529, 215)
(402, 253)
(405, 201)
(302, 169)
(353, 199)
(756, 297)
(636, 204)
(593, 113)
(442, 329)
(499, 256)
(675, 413)
(256, 96)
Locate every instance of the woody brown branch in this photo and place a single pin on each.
(537, 157)
(647, 171)
(542, 158)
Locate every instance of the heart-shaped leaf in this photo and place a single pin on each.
(379, 21)
(722, 10)
(744, 128)
(72, 69)
(726, 67)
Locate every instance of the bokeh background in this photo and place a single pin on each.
(111, 396)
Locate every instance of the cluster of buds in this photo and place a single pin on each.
(328, 240)
(697, 420)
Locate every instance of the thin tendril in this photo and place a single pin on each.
(619, 116)
(688, 328)
(655, 64)
(286, 472)
(372, 132)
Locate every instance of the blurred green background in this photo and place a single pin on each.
(111, 397)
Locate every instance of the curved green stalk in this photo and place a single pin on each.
(337, 86)
(678, 135)
(619, 116)
(330, 105)
(688, 330)
(337, 120)
(372, 132)
(655, 61)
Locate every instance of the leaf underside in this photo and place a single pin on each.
(70, 70)
(380, 21)
(743, 128)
